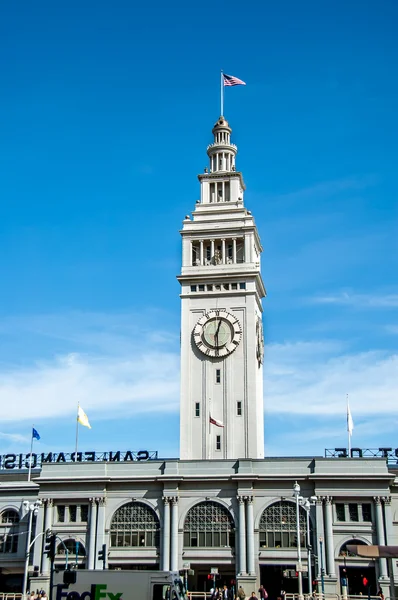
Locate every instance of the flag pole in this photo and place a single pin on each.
(348, 428)
(222, 94)
(30, 457)
(77, 430)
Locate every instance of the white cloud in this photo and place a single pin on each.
(314, 378)
(14, 437)
(358, 300)
(122, 366)
(115, 365)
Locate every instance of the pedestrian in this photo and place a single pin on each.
(241, 593)
(262, 592)
(380, 593)
(253, 596)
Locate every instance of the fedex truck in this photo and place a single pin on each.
(118, 585)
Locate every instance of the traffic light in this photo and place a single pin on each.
(70, 577)
(49, 547)
(102, 555)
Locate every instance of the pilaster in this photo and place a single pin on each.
(242, 537)
(381, 540)
(92, 530)
(166, 534)
(174, 534)
(320, 532)
(101, 530)
(251, 569)
(330, 564)
(48, 521)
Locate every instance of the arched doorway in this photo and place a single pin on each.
(360, 578)
(278, 535)
(209, 525)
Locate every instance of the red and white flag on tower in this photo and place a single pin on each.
(215, 422)
(231, 80)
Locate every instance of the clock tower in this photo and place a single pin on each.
(222, 411)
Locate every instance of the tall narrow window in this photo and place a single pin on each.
(218, 442)
(340, 511)
(197, 409)
(366, 512)
(239, 408)
(218, 375)
(61, 514)
(73, 513)
(353, 511)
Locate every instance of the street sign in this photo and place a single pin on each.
(214, 570)
(186, 565)
(300, 568)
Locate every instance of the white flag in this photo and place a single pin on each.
(350, 422)
(82, 418)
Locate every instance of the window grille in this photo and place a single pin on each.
(10, 517)
(9, 532)
(135, 524)
(278, 527)
(209, 525)
(71, 548)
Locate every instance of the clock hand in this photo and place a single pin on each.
(217, 332)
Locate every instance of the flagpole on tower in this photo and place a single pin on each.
(77, 430)
(222, 94)
(350, 427)
(30, 456)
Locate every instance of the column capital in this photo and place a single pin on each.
(174, 500)
(327, 499)
(249, 499)
(49, 502)
(92, 501)
(101, 501)
(387, 500)
(377, 500)
(319, 501)
(240, 499)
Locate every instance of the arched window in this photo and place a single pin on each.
(353, 542)
(135, 524)
(278, 528)
(209, 525)
(9, 517)
(9, 529)
(72, 546)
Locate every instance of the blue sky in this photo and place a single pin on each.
(106, 110)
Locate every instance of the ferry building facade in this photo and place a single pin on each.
(222, 506)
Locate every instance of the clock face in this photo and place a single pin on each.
(217, 333)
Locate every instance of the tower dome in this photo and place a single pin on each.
(222, 153)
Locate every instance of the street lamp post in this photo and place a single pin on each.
(307, 503)
(296, 493)
(32, 508)
(322, 569)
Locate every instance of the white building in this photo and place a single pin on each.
(222, 505)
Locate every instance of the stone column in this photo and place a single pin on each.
(234, 250)
(92, 526)
(381, 540)
(242, 536)
(223, 250)
(250, 536)
(389, 528)
(329, 545)
(48, 521)
(320, 532)
(101, 530)
(201, 252)
(247, 257)
(166, 534)
(174, 534)
(211, 250)
(38, 545)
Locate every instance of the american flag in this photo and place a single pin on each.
(231, 80)
(215, 422)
